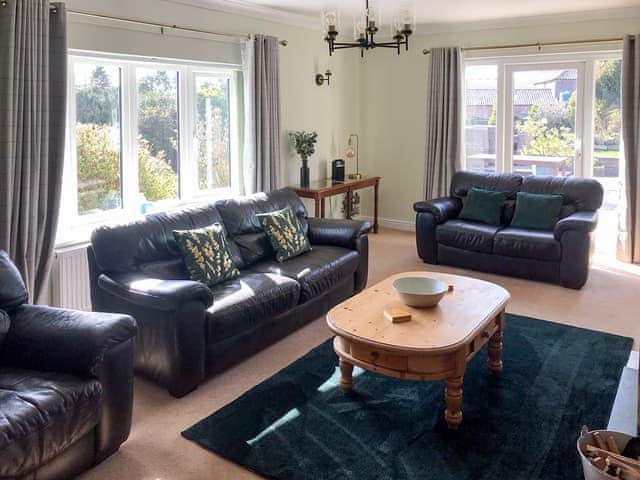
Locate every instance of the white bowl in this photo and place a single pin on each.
(420, 291)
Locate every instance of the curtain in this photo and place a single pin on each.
(444, 103)
(33, 89)
(262, 165)
(631, 136)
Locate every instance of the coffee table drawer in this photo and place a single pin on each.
(379, 357)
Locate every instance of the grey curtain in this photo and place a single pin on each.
(262, 152)
(444, 102)
(33, 89)
(631, 136)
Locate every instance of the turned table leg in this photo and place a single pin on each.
(346, 378)
(453, 398)
(495, 352)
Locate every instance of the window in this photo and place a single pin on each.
(144, 136)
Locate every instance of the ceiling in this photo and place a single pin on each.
(428, 12)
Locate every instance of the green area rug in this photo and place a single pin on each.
(521, 424)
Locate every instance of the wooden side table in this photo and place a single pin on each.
(321, 189)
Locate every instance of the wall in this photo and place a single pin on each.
(332, 111)
(393, 104)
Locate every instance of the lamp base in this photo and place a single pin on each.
(355, 176)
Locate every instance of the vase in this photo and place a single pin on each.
(304, 173)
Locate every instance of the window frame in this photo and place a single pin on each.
(585, 61)
(70, 219)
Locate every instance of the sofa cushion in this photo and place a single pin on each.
(521, 243)
(316, 271)
(41, 414)
(537, 211)
(477, 237)
(5, 323)
(580, 193)
(248, 300)
(13, 293)
(483, 206)
(285, 233)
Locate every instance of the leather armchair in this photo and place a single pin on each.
(84, 358)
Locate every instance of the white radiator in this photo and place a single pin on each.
(70, 278)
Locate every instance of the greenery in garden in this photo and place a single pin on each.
(98, 132)
(546, 137)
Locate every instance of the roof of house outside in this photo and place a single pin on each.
(478, 97)
(563, 75)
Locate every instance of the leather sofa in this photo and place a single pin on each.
(558, 256)
(188, 331)
(66, 384)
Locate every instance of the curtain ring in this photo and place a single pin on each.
(539, 46)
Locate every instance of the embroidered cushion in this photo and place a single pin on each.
(285, 233)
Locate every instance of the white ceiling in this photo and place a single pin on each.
(435, 13)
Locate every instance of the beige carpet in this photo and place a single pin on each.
(155, 450)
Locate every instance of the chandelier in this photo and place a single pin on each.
(366, 26)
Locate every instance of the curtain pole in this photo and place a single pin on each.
(539, 45)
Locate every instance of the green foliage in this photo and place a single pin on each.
(494, 114)
(212, 135)
(545, 140)
(304, 143)
(98, 102)
(157, 180)
(608, 121)
(571, 109)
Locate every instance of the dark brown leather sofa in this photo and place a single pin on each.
(188, 331)
(66, 384)
(558, 256)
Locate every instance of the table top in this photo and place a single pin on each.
(459, 316)
(328, 184)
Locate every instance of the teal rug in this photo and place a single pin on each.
(521, 424)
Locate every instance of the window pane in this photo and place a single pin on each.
(158, 141)
(98, 137)
(544, 120)
(480, 125)
(212, 132)
(606, 153)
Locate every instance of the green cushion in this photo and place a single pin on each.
(206, 254)
(537, 211)
(285, 233)
(483, 206)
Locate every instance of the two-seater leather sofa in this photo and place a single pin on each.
(559, 256)
(66, 384)
(187, 330)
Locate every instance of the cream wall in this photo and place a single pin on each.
(393, 104)
(332, 111)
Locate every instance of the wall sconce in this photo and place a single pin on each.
(320, 78)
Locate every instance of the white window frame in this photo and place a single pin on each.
(70, 221)
(507, 63)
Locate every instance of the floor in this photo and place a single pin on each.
(155, 450)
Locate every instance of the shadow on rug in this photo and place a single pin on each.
(521, 424)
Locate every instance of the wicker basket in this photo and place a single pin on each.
(591, 472)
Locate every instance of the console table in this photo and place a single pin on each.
(321, 189)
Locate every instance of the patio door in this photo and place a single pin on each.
(544, 119)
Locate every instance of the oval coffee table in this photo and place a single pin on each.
(436, 344)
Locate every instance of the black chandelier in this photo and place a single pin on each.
(366, 28)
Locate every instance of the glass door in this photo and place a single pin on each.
(544, 119)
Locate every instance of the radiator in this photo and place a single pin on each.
(70, 278)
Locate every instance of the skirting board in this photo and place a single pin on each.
(392, 223)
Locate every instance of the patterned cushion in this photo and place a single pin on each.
(285, 233)
(206, 254)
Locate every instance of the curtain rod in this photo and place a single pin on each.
(539, 45)
(161, 26)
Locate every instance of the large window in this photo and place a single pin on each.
(144, 136)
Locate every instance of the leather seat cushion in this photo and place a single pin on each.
(317, 271)
(41, 414)
(248, 300)
(473, 236)
(522, 243)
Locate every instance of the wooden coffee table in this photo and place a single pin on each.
(436, 344)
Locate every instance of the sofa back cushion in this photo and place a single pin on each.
(5, 323)
(13, 292)
(149, 245)
(239, 216)
(579, 193)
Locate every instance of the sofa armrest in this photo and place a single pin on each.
(54, 339)
(338, 232)
(157, 294)
(442, 209)
(583, 222)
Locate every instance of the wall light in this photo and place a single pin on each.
(320, 78)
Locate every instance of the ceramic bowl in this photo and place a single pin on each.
(420, 291)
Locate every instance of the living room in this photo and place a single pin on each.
(358, 239)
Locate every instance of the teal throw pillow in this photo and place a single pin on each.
(482, 205)
(537, 211)
(285, 233)
(206, 254)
